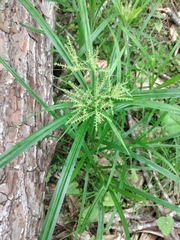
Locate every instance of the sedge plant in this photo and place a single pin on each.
(95, 115)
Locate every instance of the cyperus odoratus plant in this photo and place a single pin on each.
(95, 102)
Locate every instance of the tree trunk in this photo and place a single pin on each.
(22, 181)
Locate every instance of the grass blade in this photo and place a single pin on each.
(157, 105)
(27, 142)
(37, 30)
(21, 81)
(100, 229)
(84, 195)
(152, 198)
(156, 93)
(97, 32)
(61, 188)
(113, 127)
(147, 162)
(169, 82)
(98, 197)
(85, 25)
(121, 214)
(151, 104)
(53, 38)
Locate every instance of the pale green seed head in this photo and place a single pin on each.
(97, 103)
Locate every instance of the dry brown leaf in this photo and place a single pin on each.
(173, 33)
(84, 236)
(113, 237)
(102, 64)
(137, 182)
(148, 236)
(156, 233)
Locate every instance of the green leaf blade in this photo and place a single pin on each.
(29, 141)
(62, 186)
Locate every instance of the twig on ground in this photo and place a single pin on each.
(162, 75)
(140, 227)
(130, 216)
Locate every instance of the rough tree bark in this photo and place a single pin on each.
(22, 181)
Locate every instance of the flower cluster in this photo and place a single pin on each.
(96, 103)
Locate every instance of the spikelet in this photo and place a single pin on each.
(99, 103)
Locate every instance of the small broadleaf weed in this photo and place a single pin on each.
(97, 103)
